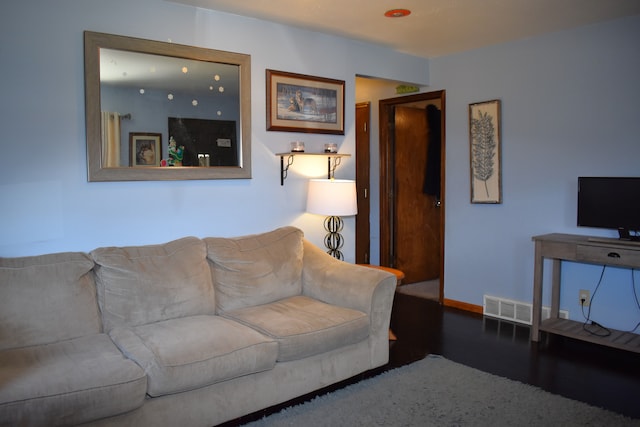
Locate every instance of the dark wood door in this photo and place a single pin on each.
(363, 112)
(416, 214)
(388, 185)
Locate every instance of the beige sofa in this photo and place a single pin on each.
(194, 332)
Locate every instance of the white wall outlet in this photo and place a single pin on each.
(584, 297)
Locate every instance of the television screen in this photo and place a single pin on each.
(610, 202)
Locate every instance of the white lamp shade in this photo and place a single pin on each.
(332, 197)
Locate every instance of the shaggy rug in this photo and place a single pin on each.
(439, 392)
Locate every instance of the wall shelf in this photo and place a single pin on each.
(333, 160)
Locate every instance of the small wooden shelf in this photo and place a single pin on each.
(290, 156)
(572, 329)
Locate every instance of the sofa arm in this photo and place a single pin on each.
(348, 285)
(354, 286)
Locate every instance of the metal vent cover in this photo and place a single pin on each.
(515, 311)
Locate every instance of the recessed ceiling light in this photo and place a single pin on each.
(397, 13)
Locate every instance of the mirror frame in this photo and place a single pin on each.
(93, 42)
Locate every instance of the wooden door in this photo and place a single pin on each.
(416, 214)
(363, 111)
(388, 186)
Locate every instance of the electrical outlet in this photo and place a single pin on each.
(583, 297)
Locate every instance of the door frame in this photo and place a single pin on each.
(387, 191)
(363, 159)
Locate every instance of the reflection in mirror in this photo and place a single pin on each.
(191, 105)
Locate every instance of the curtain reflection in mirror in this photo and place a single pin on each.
(110, 139)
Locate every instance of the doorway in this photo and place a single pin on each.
(412, 154)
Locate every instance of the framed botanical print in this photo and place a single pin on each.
(485, 152)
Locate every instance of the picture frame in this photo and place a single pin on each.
(145, 149)
(302, 103)
(485, 148)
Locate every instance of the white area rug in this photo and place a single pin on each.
(437, 392)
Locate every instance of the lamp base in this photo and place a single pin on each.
(333, 239)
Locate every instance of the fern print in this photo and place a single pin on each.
(483, 148)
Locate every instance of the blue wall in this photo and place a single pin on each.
(151, 112)
(570, 107)
(47, 203)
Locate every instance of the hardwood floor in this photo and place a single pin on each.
(597, 375)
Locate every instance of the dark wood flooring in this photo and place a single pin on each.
(600, 376)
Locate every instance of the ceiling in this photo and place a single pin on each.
(434, 27)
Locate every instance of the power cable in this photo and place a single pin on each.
(589, 325)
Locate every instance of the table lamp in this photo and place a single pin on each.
(334, 198)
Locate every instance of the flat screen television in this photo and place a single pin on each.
(610, 202)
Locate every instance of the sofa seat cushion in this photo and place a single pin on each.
(304, 326)
(146, 284)
(68, 382)
(192, 352)
(256, 269)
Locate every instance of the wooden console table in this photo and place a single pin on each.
(584, 249)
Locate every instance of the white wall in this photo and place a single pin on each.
(48, 205)
(570, 107)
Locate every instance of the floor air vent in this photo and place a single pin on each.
(515, 311)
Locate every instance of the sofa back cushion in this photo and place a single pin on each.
(256, 269)
(47, 298)
(145, 284)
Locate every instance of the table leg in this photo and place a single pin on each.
(555, 289)
(537, 292)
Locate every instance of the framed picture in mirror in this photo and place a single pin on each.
(145, 149)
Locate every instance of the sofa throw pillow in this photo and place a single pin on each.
(256, 269)
(144, 284)
(47, 298)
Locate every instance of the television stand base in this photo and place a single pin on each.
(582, 249)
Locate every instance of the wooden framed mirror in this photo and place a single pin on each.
(193, 103)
